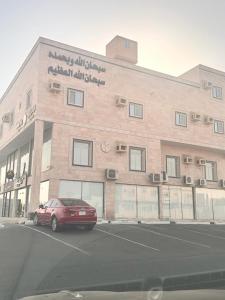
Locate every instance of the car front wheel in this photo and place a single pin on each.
(55, 225)
(36, 221)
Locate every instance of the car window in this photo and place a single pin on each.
(72, 202)
(48, 204)
(56, 203)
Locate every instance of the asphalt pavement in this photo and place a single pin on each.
(34, 259)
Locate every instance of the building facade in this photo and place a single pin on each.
(134, 143)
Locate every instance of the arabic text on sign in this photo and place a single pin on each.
(87, 64)
(79, 75)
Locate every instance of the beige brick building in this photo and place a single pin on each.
(134, 143)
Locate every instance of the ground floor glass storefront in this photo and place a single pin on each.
(91, 192)
(210, 204)
(177, 203)
(136, 202)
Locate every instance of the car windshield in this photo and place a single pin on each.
(73, 202)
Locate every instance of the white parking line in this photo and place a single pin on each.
(207, 234)
(58, 240)
(172, 237)
(125, 239)
(2, 226)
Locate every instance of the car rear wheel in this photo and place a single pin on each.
(89, 226)
(36, 221)
(55, 225)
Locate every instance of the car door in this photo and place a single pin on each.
(46, 215)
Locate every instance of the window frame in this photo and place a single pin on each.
(133, 116)
(90, 153)
(177, 165)
(214, 171)
(212, 92)
(143, 159)
(217, 126)
(183, 113)
(76, 90)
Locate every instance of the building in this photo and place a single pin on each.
(134, 143)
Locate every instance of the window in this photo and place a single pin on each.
(46, 149)
(49, 203)
(56, 203)
(137, 159)
(181, 119)
(73, 202)
(173, 166)
(217, 92)
(218, 126)
(82, 153)
(210, 171)
(136, 110)
(90, 192)
(75, 97)
(29, 99)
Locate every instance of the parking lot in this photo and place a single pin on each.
(40, 260)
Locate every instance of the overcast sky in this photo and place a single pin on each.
(172, 35)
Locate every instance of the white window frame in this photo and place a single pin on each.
(178, 119)
(217, 92)
(134, 113)
(177, 166)
(69, 102)
(143, 159)
(213, 171)
(217, 128)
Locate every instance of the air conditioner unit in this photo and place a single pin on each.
(120, 101)
(111, 174)
(222, 183)
(201, 162)
(164, 176)
(155, 177)
(7, 118)
(188, 180)
(188, 160)
(54, 86)
(202, 182)
(195, 117)
(208, 120)
(207, 84)
(121, 147)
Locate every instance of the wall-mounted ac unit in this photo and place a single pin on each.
(188, 180)
(121, 147)
(202, 182)
(155, 177)
(188, 160)
(120, 101)
(222, 183)
(164, 176)
(111, 174)
(207, 84)
(209, 120)
(55, 86)
(7, 118)
(195, 117)
(201, 162)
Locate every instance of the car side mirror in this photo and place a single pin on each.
(41, 206)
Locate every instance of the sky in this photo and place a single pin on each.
(173, 35)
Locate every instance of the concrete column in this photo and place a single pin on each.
(36, 165)
(109, 198)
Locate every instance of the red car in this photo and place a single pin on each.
(59, 212)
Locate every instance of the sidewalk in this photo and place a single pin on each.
(6, 220)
